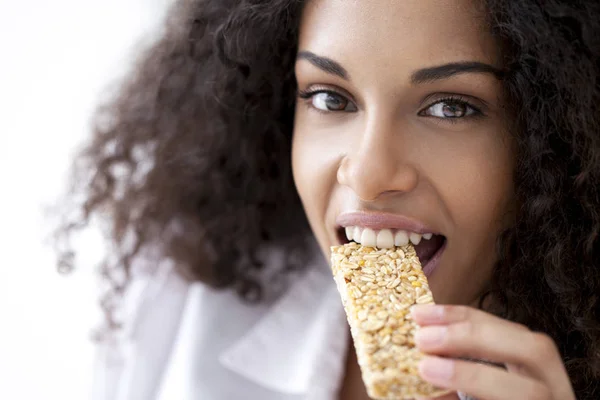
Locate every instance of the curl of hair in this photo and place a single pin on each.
(211, 106)
(548, 276)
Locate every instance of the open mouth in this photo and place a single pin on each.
(427, 245)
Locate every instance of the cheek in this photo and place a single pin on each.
(473, 174)
(476, 187)
(314, 165)
(482, 196)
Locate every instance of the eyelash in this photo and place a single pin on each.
(307, 95)
(454, 99)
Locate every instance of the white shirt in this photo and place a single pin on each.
(187, 341)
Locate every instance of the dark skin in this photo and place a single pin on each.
(370, 135)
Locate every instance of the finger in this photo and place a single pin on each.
(481, 381)
(438, 314)
(449, 396)
(468, 332)
(465, 332)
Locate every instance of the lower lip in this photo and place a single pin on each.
(433, 263)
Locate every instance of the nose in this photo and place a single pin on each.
(378, 164)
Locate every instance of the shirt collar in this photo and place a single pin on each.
(299, 345)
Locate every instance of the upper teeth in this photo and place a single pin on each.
(384, 238)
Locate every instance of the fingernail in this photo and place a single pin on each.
(427, 313)
(436, 370)
(430, 336)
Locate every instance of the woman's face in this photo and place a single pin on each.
(400, 133)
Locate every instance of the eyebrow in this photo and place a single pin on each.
(420, 76)
(324, 63)
(444, 71)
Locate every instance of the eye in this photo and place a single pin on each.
(328, 101)
(450, 109)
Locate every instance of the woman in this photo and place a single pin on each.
(470, 128)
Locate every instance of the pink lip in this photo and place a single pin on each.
(377, 220)
(433, 263)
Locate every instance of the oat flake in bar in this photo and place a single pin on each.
(377, 287)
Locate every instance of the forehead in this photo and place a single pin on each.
(378, 34)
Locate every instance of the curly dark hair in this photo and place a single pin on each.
(209, 108)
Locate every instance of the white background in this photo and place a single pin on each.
(55, 58)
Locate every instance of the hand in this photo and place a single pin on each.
(534, 369)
